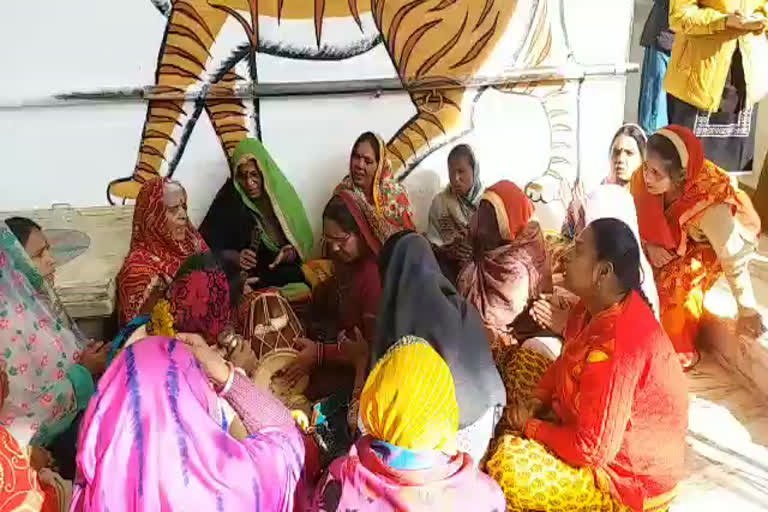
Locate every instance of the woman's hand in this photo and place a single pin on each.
(94, 358)
(551, 312)
(212, 363)
(659, 256)
(356, 351)
(523, 411)
(287, 254)
(40, 458)
(248, 259)
(750, 323)
(754, 23)
(303, 364)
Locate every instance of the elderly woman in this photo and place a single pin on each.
(162, 238)
(695, 225)
(157, 419)
(417, 299)
(408, 460)
(453, 208)
(370, 176)
(257, 221)
(605, 428)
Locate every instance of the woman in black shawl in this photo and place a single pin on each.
(418, 300)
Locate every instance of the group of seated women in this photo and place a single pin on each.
(485, 365)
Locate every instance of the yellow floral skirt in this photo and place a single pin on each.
(533, 478)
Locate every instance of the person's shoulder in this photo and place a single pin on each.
(638, 325)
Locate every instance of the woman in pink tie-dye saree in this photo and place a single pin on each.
(153, 439)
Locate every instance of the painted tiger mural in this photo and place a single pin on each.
(210, 50)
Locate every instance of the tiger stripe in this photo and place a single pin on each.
(433, 44)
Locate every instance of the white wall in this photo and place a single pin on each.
(69, 153)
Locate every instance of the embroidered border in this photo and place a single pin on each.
(740, 129)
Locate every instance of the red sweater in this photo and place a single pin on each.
(621, 397)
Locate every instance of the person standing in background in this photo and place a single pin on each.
(717, 74)
(657, 39)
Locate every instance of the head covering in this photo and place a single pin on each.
(390, 199)
(156, 418)
(285, 202)
(450, 214)
(374, 228)
(501, 282)
(154, 252)
(705, 184)
(615, 202)
(513, 208)
(40, 343)
(419, 300)
(200, 302)
(409, 400)
(469, 202)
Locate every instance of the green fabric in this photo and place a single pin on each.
(283, 197)
(83, 386)
(295, 291)
(21, 261)
(82, 383)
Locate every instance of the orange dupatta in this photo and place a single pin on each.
(705, 185)
(683, 283)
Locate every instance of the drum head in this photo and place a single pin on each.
(265, 378)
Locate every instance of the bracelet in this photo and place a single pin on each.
(230, 379)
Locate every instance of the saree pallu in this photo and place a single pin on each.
(682, 285)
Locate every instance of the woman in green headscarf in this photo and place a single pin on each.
(257, 221)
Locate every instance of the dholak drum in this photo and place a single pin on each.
(266, 320)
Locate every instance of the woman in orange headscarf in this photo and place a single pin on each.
(509, 266)
(695, 225)
(509, 269)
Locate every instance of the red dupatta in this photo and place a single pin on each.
(705, 185)
(153, 250)
(374, 227)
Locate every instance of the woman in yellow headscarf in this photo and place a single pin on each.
(408, 458)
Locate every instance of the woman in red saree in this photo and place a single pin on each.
(348, 303)
(695, 226)
(605, 429)
(370, 178)
(162, 239)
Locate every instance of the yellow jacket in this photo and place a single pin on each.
(704, 47)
